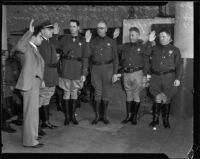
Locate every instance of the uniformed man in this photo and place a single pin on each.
(166, 70)
(134, 60)
(48, 52)
(104, 61)
(73, 71)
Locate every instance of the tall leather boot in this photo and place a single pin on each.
(5, 126)
(42, 115)
(156, 113)
(96, 110)
(128, 112)
(105, 108)
(135, 108)
(66, 111)
(73, 117)
(41, 118)
(46, 123)
(165, 115)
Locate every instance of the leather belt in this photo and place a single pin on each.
(162, 73)
(72, 58)
(132, 69)
(102, 62)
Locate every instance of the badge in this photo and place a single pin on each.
(108, 44)
(170, 52)
(138, 49)
(79, 43)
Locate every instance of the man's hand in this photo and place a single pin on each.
(177, 83)
(152, 36)
(56, 29)
(116, 33)
(83, 78)
(88, 35)
(31, 27)
(115, 77)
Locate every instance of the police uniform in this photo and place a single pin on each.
(104, 61)
(166, 67)
(134, 60)
(72, 67)
(48, 52)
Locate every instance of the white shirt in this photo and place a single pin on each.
(33, 45)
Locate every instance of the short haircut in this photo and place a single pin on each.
(134, 29)
(37, 30)
(167, 31)
(103, 21)
(75, 21)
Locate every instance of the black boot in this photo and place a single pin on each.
(73, 103)
(66, 111)
(59, 98)
(5, 126)
(128, 112)
(96, 110)
(105, 108)
(42, 115)
(156, 113)
(45, 122)
(165, 115)
(135, 108)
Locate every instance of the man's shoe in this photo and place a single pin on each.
(17, 122)
(41, 133)
(48, 125)
(36, 146)
(39, 138)
(7, 128)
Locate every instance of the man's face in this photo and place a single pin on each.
(101, 29)
(47, 32)
(73, 28)
(133, 36)
(38, 39)
(164, 38)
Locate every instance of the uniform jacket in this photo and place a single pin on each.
(48, 52)
(165, 58)
(32, 63)
(102, 50)
(135, 55)
(72, 69)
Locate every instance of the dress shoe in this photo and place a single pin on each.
(7, 128)
(48, 125)
(39, 138)
(17, 122)
(41, 133)
(36, 146)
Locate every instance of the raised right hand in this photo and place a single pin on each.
(152, 36)
(31, 27)
(88, 35)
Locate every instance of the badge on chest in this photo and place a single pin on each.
(170, 52)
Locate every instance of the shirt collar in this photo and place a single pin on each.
(33, 45)
(45, 38)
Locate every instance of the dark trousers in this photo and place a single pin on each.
(101, 78)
